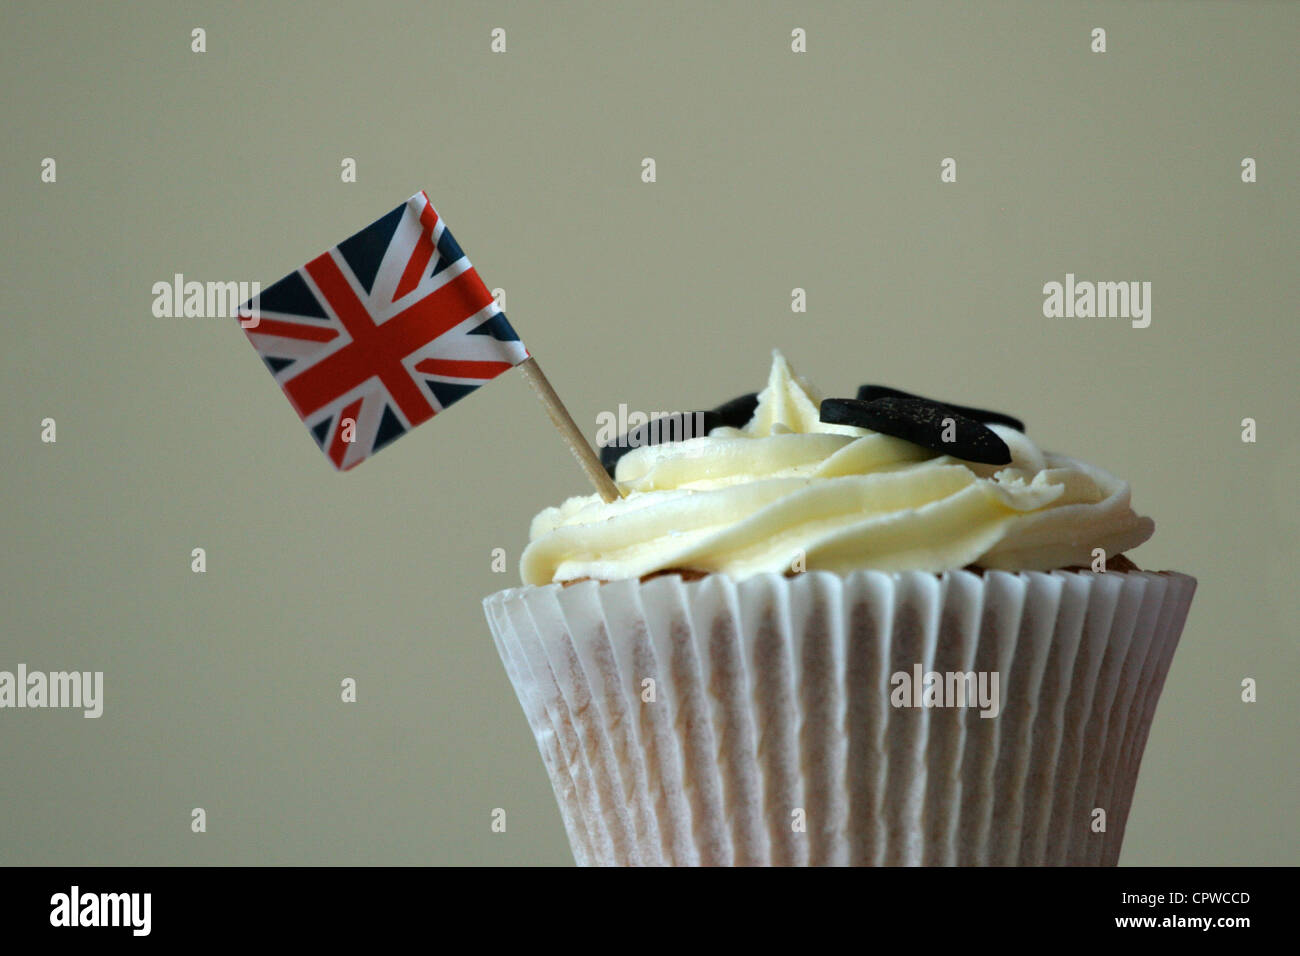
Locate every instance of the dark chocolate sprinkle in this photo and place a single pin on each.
(678, 427)
(867, 393)
(921, 422)
(738, 411)
(666, 428)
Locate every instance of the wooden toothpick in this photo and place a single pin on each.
(568, 429)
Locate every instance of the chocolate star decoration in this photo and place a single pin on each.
(923, 422)
(735, 413)
(867, 393)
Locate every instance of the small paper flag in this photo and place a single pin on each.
(381, 333)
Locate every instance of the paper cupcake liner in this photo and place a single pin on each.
(718, 722)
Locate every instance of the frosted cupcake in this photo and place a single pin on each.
(800, 641)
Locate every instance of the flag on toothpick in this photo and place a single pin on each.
(381, 333)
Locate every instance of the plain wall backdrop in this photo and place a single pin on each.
(775, 170)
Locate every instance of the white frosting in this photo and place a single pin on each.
(789, 492)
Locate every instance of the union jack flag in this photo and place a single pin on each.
(381, 333)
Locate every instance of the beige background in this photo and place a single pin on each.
(775, 170)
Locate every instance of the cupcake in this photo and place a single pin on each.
(879, 630)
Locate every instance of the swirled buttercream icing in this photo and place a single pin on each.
(790, 492)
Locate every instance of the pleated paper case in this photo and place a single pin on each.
(722, 722)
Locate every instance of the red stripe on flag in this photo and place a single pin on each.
(293, 330)
(368, 354)
(458, 368)
(428, 215)
(437, 313)
(421, 255)
(338, 293)
(339, 447)
(378, 350)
